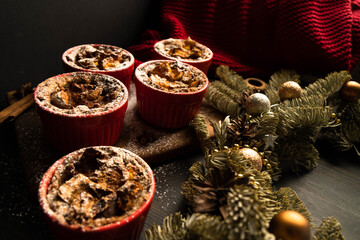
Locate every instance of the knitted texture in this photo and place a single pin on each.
(262, 36)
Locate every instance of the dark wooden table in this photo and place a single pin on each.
(332, 189)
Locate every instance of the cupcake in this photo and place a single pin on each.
(169, 93)
(100, 192)
(81, 109)
(185, 50)
(100, 58)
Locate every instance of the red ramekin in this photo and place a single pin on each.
(124, 74)
(203, 64)
(68, 132)
(127, 229)
(166, 109)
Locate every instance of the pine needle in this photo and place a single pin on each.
(245, 218)
(231, 78)
(328, 86)
(200, 128)
(206, 227)
(290, 201)
(297, 154)
(278, 78)
(173, 228)
(329, 229)
(222, 102)
(222, 87)
(267, 124)
(220, 131)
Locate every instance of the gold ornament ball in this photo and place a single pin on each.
(350, 91)
(257, 103)
(289, 90)
(290, 225)
(253, 156)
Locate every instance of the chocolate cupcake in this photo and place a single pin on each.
(169, 93)
(100, 58)
(185, 50)
(81, 109)
(98, 192)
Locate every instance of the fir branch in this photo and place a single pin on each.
(231, 78)
(289, 200)
(245, 218)
(267, 124)
(173, 228)
(222, 102)
(200, 128)
(206, 227)
(268, 199)
(222, 87)
(297, 153)
(328, 86)
(282, 76)
(197, 171)
(311, 117)
(350, 112)
(329, 229)
(219, 160)
(278, 78)
(196, 226)
(220, 131)
(273, 160)
(347, 135)
(197, 174)
(311, 101)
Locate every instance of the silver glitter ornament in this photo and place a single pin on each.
(257, 103)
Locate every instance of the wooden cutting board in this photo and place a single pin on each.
(152, 143)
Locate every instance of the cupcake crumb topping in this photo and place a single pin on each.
(98, 186)
(99, 57)
(183, 49)
(80, 93)
(173, 77)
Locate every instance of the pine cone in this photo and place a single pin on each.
(211, 193)
(241, 129)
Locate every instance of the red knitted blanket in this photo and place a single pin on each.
(256, 38)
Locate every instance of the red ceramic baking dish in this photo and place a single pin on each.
(164, 50)
(122, 71)
(164, 108)
(127, 226)
(72, 128)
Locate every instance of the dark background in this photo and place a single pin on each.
(35, 33)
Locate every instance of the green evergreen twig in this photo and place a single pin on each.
(290, 201)
(231, 78)
(328, 86)
(200, 128)
(222, 102)
(329, 229)
(275, 82)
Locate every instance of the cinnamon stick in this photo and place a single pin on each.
(17, 108)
